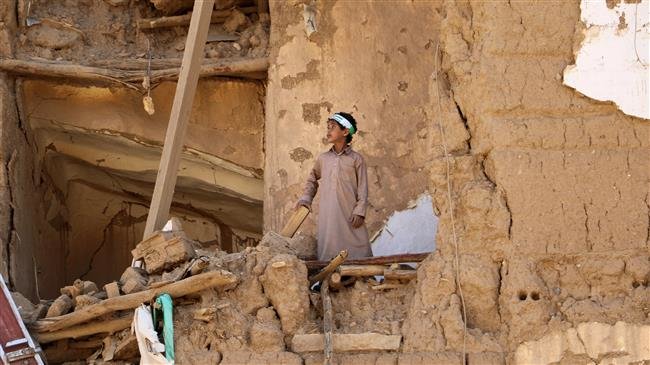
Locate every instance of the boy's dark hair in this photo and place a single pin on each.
(350, 119)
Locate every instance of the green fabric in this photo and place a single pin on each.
(164, 302)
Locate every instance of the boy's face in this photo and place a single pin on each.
(335, 133)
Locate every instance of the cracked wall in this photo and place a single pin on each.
(549, 188)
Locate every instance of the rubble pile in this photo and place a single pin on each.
(253, 306)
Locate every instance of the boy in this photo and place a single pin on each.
(341, 174)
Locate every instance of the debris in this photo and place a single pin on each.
(112, 289)
(220, 278)
(84, 300)
(163, 251)
(60, 306)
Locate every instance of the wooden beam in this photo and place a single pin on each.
(377, 260)
(193, 284)
(109, 326)
(180, 114)
(130, 73)
(368, 341)
(218, 16)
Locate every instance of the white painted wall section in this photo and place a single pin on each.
(612, 62)
(409, 231)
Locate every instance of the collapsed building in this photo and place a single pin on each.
(540, 193)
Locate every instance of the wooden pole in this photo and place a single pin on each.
(328, 320)
(180, 114)
(218, 16)
(377, 260)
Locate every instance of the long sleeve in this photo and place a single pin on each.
(311, 186)
(362, 188)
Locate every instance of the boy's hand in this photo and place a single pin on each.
(356, 221)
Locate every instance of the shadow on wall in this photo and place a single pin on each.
(408, 231)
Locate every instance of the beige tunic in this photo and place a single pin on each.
(343, 183)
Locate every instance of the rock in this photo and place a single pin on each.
(287, 289)
(60, 306)
(112, 289)
(235, 22)
(304, 245)
(134, 273)
(84, 300)
(163, 250)
(27, 310)
(133, 286)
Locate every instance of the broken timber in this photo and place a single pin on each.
(110, 326)
(126, 74)
(376, 260)
(177, 289)
(183, 98)
(330, 267)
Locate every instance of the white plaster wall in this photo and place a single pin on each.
(611, 65)
(408, 231)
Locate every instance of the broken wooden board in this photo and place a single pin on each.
(298, 216)
(368, 341)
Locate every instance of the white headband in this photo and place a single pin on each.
(344, 122)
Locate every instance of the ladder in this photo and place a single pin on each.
(16, 345)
